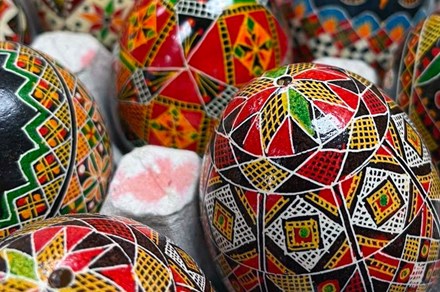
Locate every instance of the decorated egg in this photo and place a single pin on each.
(180, 62)
(101, 18)
(13, 22)
(418, 85)
(55, 151)
(355, 29)
(95, 253)
(316, 181)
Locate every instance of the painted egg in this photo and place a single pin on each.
(13, 22)
(180, 62)
(316, 181)
(95, 253)
(355, 29)
(418, 85)
(101, 18)
(55, 151)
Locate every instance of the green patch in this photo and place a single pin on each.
(275, 72)
(109, 8)
(21, 264)
(239, 52)
(250, 24)
(299, 110)
(304, 232)
(383, 200)
(432, 72)
(244, 1)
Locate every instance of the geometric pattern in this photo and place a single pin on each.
(59, 157)
(417, 88)
(96, 253)
(13, 22)
(360, 30)
(168, 93)
(101, 18)
(330, 189)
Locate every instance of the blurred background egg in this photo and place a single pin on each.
(95, 253)
(14, 22)
(101, 18)
(370, 31)
(316, 181)
(55, 150)
(418, 85)
(180, 62)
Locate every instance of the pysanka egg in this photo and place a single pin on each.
(182, 61)
(316, 181)
(95, 253)
(419, 81)
(55, 151)
(101, 18)
(355, 29)
(13, 22)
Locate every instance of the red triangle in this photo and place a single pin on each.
(281, 143)
(252, 262)
(345, 259)
(209, 56)
(178, 279)
(355, 283)
(81, 259)
(340, 114)
(345, 187)
(350, 98)
(234, 24)
(252, 198)
(43, 236)
(373, 103)
(253, 105)
(182, 88)
(74, 235)
(419, 202)
(383, 151)
(389, 139)
(182, 288)
(170, 52)
(237, 102)
(252, 142)
(147, 232)
(271, 201)
(122, 276)
(327, 195)
(321, 75)
(273, 268)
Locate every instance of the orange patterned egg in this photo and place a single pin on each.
(180, 62)
(101, 18)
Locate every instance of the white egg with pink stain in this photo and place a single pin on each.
(154, 180)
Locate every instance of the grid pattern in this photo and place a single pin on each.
(263, 174)
(50, 255)
(374, 104)
(363, 134)
(323, 167)
(274, 114)
(151, 273)
(316, 90)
